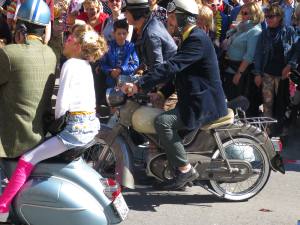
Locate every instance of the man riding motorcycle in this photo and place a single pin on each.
(26, 82)
(193, 72)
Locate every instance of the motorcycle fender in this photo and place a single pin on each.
(275, 159)
(123, 155)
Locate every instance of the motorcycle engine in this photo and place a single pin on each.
(159, 168)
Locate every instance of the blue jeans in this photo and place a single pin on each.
(80, 130)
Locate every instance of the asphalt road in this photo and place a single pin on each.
(277, 204)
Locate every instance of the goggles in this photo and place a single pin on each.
(172, 7)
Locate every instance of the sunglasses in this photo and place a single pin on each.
(245, 13)
(270, 16)
(213, 5)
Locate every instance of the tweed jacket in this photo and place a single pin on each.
(26, 84)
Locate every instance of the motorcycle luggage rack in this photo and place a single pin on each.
(258, 122)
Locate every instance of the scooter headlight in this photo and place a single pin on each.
(115, 97)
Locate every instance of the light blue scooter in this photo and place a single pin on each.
(65, 190)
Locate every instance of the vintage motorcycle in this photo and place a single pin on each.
(65, 190)
(233, 155)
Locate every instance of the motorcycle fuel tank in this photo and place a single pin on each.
(143, 119)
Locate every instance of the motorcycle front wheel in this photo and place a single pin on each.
(244, 148)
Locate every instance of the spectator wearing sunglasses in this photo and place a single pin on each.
(274, 59)
(240, 46)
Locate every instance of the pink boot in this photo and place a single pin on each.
(19, 177)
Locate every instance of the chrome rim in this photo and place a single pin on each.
(252, 152)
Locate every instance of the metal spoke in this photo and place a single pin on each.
(242, 154)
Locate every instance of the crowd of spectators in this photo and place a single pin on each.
(256, 42)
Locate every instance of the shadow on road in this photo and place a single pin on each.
(145, 199)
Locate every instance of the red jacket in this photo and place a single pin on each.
(102, 17)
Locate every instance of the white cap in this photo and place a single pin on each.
(184, 6)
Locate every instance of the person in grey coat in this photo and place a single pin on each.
(154, 44)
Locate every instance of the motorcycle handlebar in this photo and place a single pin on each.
(141, 98)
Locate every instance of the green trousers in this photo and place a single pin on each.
(167, 125)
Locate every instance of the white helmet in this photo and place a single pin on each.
(183, 6)
(136, 4)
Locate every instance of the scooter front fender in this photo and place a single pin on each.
(123, 156)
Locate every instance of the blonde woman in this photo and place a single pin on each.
(93, 14)
(241, 44)
(81, 47)
(206, 19)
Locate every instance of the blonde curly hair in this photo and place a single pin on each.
(93, 46)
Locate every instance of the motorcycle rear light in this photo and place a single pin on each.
(111, 188)
(277, 144)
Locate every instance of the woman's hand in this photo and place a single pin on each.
(286, 72)
(129, 89)
(236, 78)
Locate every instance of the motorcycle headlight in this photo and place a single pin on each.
(115, 97)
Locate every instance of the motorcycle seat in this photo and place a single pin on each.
(225, 120)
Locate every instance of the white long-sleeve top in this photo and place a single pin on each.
(76, 90)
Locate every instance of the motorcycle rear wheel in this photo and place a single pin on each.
(246, 149)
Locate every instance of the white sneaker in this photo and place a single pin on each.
(3, 217)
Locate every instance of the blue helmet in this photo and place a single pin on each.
(34, 11)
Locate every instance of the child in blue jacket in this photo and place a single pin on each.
(121, 58)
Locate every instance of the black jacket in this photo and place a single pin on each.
(195, 71)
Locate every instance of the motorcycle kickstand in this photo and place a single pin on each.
(205, 187)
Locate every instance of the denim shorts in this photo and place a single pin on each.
(80, 130)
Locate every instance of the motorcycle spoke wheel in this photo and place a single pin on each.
(253, 152)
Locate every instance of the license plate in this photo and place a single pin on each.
(120, 206)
